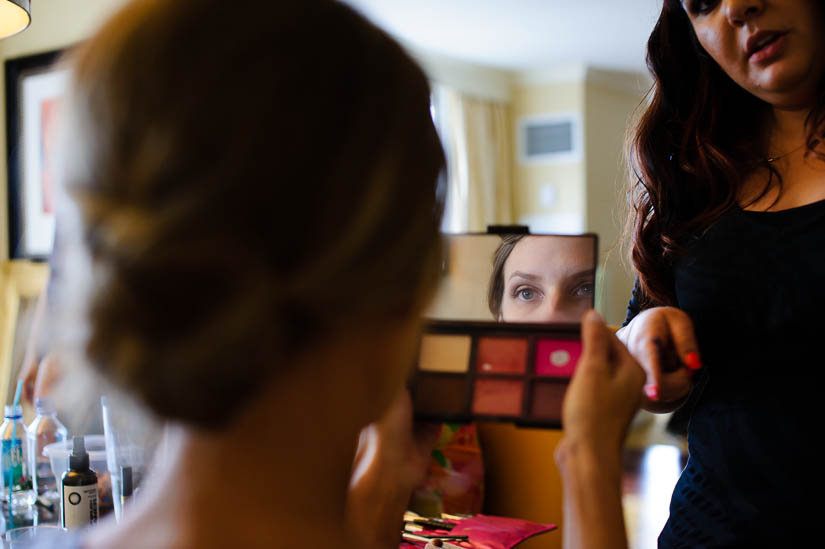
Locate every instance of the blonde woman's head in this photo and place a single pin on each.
(246, 187)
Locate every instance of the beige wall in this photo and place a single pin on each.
(611, 99)
(565, 177)
(55, 24)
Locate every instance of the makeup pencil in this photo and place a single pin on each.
(668, 357)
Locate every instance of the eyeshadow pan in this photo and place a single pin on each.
(440, 394)
(501, 355)
(557, 357)
(547, 400)
(444, 353)
(498, 397)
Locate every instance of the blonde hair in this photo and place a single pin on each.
(247, 187)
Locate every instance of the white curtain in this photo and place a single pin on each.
(477, 137)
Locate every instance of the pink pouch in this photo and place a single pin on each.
(486, 532)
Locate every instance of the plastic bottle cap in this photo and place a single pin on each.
(13, 412)
(44, 405)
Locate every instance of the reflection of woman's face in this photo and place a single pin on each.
(548, 279)
(771, 48)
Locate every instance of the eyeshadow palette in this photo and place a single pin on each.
(485, 371)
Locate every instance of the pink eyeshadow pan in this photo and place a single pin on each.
(501, 355)
(498, 397)
(557, 357)
(547, 400)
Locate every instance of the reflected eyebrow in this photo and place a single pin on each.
(527, 276)
(583, 274)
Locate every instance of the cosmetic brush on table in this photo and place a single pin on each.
(430, 542)
(439, 544)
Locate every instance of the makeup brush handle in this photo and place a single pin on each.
(443, 545)
(668, 358)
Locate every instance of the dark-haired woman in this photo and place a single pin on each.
(728, 238)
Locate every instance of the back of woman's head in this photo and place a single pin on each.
(247, 186)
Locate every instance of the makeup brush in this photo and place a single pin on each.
(455, 517)
(670, 360)
(437, 543)
(437, 523)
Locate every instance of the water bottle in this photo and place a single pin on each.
(15, 466)
(44, 430)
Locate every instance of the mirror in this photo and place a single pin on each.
(517, 278)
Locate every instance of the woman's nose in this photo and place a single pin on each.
(554, 309)
(739, 12)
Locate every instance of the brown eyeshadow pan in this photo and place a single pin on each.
(547, 400)
(505, 355)
(435, 394)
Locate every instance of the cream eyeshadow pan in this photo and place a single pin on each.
(469, 371)
(444, 353)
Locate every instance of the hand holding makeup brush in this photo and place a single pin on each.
(600, 402)
(604, 394)
(663, 341)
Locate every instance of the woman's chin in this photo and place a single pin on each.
(784, 85)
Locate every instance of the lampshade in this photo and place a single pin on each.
(15, 16)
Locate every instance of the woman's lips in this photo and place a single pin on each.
(770, 51)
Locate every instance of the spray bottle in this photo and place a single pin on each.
(79, 505)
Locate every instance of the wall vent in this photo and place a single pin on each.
(550, 138)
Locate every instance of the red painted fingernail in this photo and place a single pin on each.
(692, 361)
(652, 392)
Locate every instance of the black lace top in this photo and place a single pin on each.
(754, 286)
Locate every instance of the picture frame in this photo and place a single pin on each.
(34, 88)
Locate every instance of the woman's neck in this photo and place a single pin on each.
(802, 174)
(279, 474)
(788, 130)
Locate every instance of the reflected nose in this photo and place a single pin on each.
(739, 12)
(556, 309)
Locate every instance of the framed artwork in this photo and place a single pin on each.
(34, 89)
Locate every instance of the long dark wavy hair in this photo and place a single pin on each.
(695, 144)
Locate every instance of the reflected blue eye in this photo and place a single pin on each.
(585, 290)
(526, 294)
